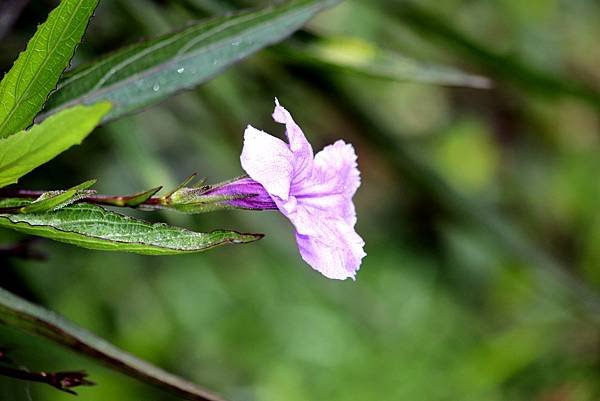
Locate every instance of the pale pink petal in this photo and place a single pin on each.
(334, 180)
(326, 242)
(304, 219)
(267, 160)
(336, 252)
(336, 163)
(303, 153)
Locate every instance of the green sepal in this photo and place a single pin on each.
(55, 200)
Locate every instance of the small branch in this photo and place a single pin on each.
(142, 199)
(64, 381)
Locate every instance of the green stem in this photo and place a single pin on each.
(144, 199)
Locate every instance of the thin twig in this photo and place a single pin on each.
(97, 199)
(64, 381)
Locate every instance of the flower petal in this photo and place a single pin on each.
(334, 180)
(268, 160)
(336, 252)
(303, 153)
(327, 243)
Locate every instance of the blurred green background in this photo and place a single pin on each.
(479, 209)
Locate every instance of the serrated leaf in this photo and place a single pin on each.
(56, 199)
(93, 227)
(24, 89)
(22, 152)
(145, 73)
(366, 58)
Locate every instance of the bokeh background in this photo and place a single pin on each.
(479, 209)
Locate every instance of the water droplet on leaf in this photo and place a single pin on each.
(156, 87)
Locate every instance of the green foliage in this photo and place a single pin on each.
(147, 72)
(506, 66)
(22, 152)
(479, 210)
(92, 227)
(363, 57)
(24, 89)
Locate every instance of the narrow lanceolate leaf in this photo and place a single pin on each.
(26, 150)
(93, 227)
(365, 58)
(150, 71)
(54, 200)
(17, 312)
(34, 75)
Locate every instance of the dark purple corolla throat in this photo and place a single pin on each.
(252, 195)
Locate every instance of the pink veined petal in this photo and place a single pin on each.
(327, 243)
(334, 180)
(303, 153)
(336, 252)
(267, 160)
(338, 163)
(305, 222)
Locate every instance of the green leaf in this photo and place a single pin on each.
(34, 75)
(145, 73)
(54, 200)
(363, 57)
(33, 319)
(93, 227)
(505, 67)
(26, 150)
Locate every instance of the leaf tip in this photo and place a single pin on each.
(244, 238)
(85, 185)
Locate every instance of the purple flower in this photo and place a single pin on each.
(314, 193)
